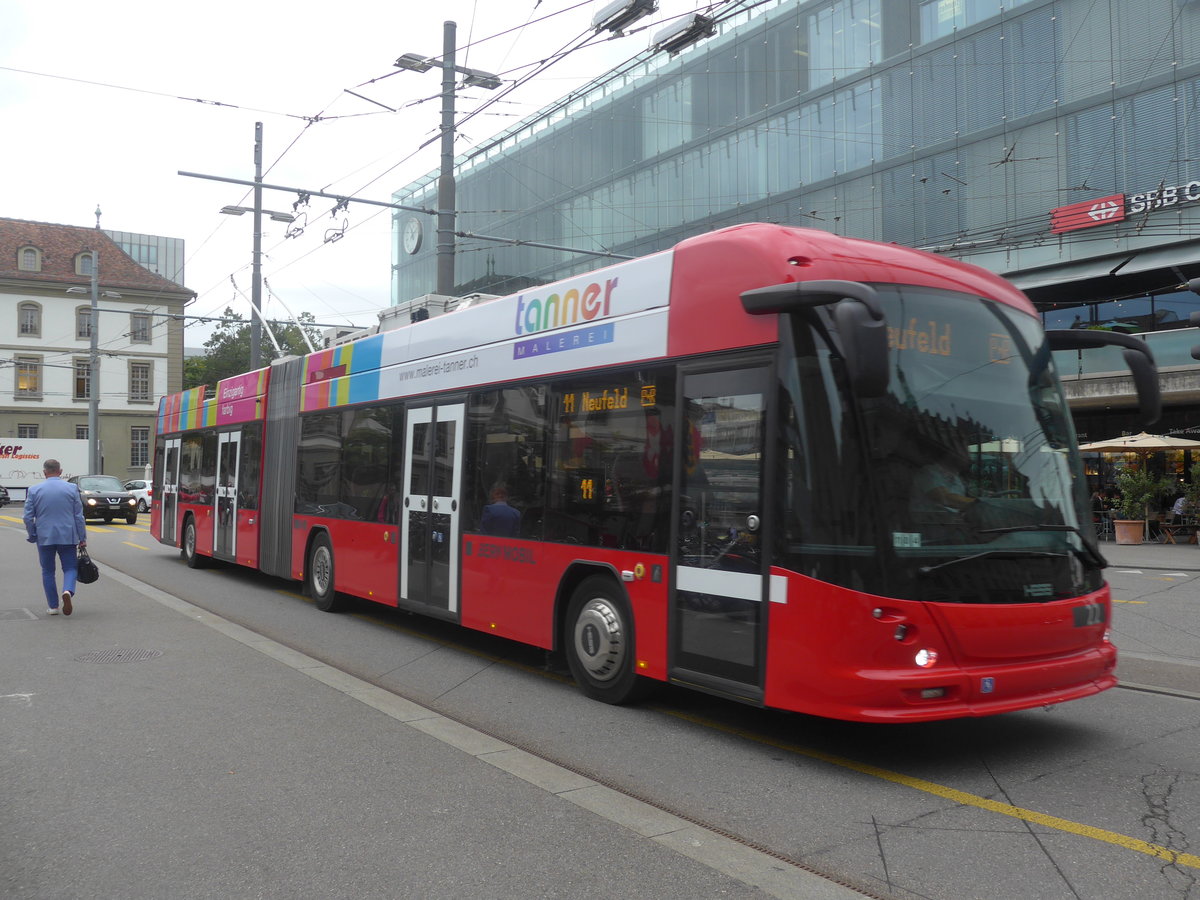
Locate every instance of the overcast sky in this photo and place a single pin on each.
(105, 104)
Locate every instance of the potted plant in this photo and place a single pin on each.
(1138, 490)
(1191, 490)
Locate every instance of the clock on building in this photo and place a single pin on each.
(412, 235)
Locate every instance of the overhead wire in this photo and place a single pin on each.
(153, 93)
(568, 48)
(978, 233)
(322, 117)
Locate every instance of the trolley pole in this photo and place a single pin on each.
(94, 364)
(446, 188)
(256, 261)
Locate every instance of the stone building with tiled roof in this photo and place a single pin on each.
(46, 370)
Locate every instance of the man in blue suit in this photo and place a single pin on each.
(54, 521)
(498, 517)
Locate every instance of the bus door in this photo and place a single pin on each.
(431, 514)
(225, 538)
(718, 614)
(168, 490)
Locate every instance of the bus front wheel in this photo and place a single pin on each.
(599, 642)
(320, 575)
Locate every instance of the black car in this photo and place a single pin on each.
(104, 497)
(3, 496)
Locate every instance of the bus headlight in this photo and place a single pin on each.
(926, 658)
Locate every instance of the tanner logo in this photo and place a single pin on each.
(571, 307)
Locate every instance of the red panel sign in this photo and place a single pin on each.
(1088, 214)
(327, 373)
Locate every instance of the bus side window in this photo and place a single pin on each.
(318, 463)
(366, 457)
(506, 439)
(250, 467)
(612, 464)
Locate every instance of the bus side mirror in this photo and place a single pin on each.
(865, 346)
(859, 317)
(1138, 357)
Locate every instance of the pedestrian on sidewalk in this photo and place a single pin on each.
(54, 521)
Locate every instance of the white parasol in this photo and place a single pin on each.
(1140, 443)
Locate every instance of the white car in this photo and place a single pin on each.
(143, 490)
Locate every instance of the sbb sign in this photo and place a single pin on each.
(1168, 196)
(1088, 214)
(1118, 207)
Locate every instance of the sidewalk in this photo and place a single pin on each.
(149, 749)
(1155, 672)
(1181, 557)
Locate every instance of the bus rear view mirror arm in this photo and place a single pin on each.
(859, 318)
(1138, 357)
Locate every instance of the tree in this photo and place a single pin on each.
(1138, 490)
(227, 352)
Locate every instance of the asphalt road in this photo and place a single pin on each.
(1099, 798)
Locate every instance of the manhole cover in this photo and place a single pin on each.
(116, 656)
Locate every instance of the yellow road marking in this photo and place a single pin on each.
(1157, 851)
(132, 544)
(1130, 601)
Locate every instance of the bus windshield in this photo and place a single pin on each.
(960, 484)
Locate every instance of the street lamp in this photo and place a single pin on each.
(274, 214)
(683, 33)
(256, 262)
(94, 464)
(621, 13)
(446, 201)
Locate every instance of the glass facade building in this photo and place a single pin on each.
(161, 255)
(1051, 141)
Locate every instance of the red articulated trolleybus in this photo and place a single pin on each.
(803, 471)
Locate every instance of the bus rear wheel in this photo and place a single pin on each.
(599, 642)
(320, 575)
(193, 559)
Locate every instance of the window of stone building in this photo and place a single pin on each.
(29, 320)
(30, 259)
(83, 379)
(29, 376)
(139, 445)
(139, 328)
(139, 380)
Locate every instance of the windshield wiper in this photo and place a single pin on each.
(1087, 554)
(986, 554)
